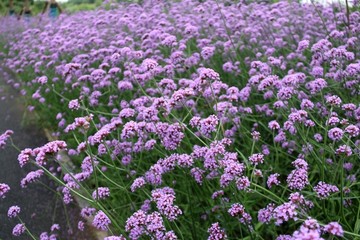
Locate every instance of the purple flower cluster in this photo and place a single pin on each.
(323, 190)
(4, 188)
(13, 211)
(202, 99)
(19, 229)
(216, 233)
(4, 137)
(101, 221)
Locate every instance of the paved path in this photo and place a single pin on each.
(40, 207)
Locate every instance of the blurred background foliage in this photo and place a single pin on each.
(37, 5)
(85, 5)
(79, 5)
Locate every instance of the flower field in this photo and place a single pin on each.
(189, 120)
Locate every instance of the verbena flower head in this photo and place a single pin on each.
(19, 229)
(4, 188)
(13, 211)
(4, 137)
(101, 193)
(334, 228)
(216, 233)
(101, 221)
(323, 190)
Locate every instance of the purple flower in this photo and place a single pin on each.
(13, 211)
(238, 210)
(55, 227)
(18, 229)
(164, 199)
(101, 193)
(217, 194)
(284, 237)
(197, 174)
(284, 213)
(333, 100)
(216, 233)
(256, 158)
(74, 104)
(207, 125)
(4, 137)
(42, 80)
(81, 225)
(352, 130)
(298, 179)
(115, 238)
(101, 221)
(335, 134)
(323, 190)
(184, 160)
(24, 156)
(266, 214)
(273, 180)
(87, 211)
(4, 188)
(334, 228)
(31, 177)
(138, 183)
(135, 223)
(344, 150)
(274, 125)
(242, 183)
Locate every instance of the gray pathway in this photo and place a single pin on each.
(40, 207)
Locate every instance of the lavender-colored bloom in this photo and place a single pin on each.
(31, 177)
(18, 229)
(184, 160)
(242, 183)
(81, 225)
(4, 188)
(135, 224)
(138, 183)
(266, 214)
(273, 180)
(298, 179)
(87, 211)
(323, 190)
(207, 125)
(238, 210)
(42, 80)
(344, 150)
(335, 134)
(217, 194)
(115, 238)
(334, 228)
(197, 174)
(256, 158)
(285, 212)
(318, 137)
(101, 221)
(303, 45)
(74, 104)
(333, 100)
(284, 237)
(4, 137)
(274, 125)
(352, 130)
(101, 193)
(255, 135)
(13, 211)
(216, 233)
(55, 227)
(164, 198)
